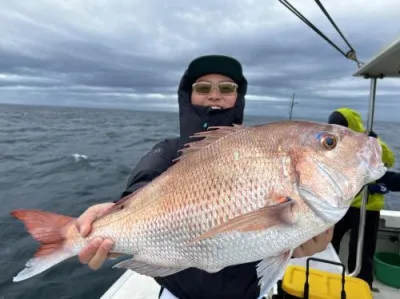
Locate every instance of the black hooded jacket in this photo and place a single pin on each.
(232, 282)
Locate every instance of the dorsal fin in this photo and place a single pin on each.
(209, 136)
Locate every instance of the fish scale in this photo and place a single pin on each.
(240, 194)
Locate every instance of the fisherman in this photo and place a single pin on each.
(211, 93)
(389, 182)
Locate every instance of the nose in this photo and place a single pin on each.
(214, 95)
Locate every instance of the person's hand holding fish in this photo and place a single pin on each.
(315, 245)
(97, 251)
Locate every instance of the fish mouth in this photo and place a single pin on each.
(371, 157)
(374, 173)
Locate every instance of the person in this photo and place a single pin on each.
(350, 118)
(211, 93)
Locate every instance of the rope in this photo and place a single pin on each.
(351, 54)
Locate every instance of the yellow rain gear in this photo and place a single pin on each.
(375, 201)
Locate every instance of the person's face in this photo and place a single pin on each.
(214, 90)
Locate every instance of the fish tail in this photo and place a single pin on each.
(49, 230)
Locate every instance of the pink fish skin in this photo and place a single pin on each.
(240, 194)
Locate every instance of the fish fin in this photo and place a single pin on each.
(270, 270)
(210, 136)
(263, 218)
(144, 268)
(49, 230)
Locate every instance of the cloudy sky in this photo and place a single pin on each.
(132, 53)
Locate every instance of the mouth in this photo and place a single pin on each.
(372, 161)
(376, 172)
(216, 107)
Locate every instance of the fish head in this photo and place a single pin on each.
(332, 165)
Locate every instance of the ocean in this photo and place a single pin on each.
(67, 159)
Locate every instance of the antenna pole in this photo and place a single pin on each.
(292, 103)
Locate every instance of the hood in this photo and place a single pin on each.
(193, 118)
(352, 119)
(349, 118)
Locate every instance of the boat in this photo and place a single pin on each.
(386, 64)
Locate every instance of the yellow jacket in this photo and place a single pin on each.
(375, 201)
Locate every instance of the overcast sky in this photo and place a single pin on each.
(132, 53)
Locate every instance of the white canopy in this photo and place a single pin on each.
(386, 63)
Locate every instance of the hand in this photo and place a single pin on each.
(315, 245)
(96, 252)
(378, 188)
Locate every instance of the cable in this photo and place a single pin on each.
(350, 54)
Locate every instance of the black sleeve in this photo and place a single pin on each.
(151, 165)
(392, 180)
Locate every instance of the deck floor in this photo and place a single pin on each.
(385, 292)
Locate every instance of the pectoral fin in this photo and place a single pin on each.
(281, 213)
(270, 270)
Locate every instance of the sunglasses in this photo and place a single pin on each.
(207, 87)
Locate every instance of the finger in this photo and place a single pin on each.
(89, 250)
(327, 236)
(103, 208)
(320, 242)
(308, 249)
(298, 252)
(85, 220)
(312, 246)
(330, 234)
(101, 255)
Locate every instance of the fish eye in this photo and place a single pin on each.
(329, 142)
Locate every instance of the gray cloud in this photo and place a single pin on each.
(132, 54)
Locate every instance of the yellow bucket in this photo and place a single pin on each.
(303, 282)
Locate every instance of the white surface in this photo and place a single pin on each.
(133, 286)
(392, 218)
(386, 62)
(167, 295)
(385, 292)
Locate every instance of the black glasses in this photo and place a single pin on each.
(207, 87)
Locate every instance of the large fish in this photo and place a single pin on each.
(239, 195)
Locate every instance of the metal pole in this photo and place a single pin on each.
(292, 103)
(360, 241)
